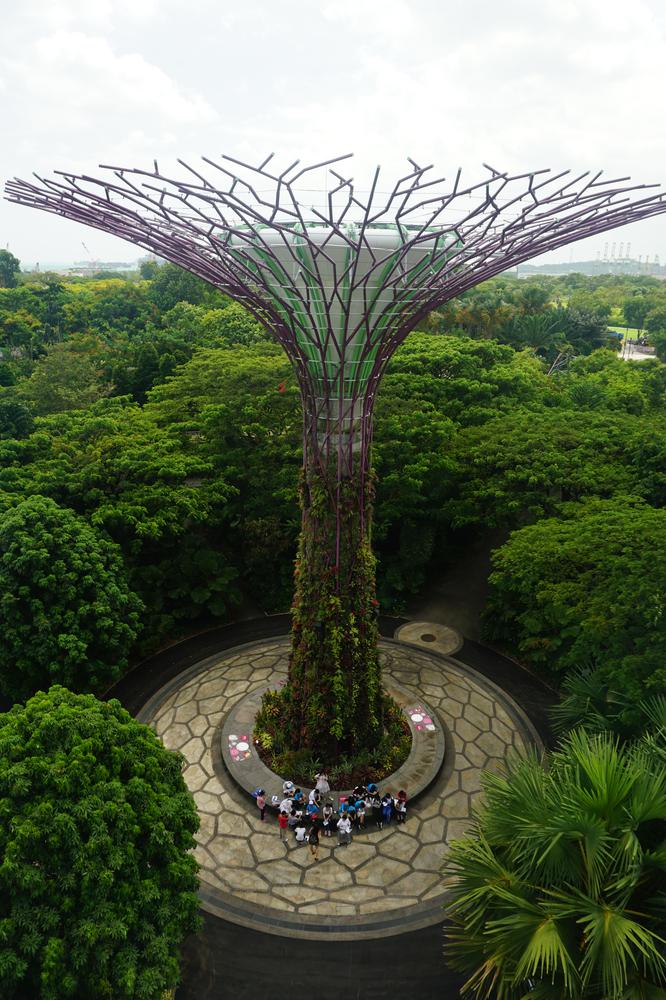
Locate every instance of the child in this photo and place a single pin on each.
(261, 804)
(283, 821)
(313, 841)
(360, 813)
(401, 806)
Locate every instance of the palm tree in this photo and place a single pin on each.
(559, 893)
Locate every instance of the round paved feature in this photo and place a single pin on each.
(441, 638)
(387, 881)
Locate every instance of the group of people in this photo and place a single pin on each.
(318, 816)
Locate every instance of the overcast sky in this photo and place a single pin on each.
(519, 84)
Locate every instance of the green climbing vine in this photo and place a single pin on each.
(333, 705)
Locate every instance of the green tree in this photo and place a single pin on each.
(97, 880)
(148, 268)
(10, 267)
(588, 586)
(558, 892)
(151, 487)
(66, 612)
(172, 285)
(655, 321)
(15, 419)
(68, 377)
(635, 309)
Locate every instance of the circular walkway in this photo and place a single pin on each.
(386, 882)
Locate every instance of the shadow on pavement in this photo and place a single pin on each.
(228, 962)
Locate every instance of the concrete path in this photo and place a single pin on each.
(387, 880)
(226, 961)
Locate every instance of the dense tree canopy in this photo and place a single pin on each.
(97, 882)
(160, 412)
(587, 585)
(9, 269)
(66, 611)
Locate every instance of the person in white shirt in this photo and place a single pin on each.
(300, 832)
(285, 805)
(344, 831)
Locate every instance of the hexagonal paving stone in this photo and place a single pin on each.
(207, 803)
(456, 805)
(467, 731)
(457, 828)
(231, 825)
(207, 706)
(471, 780)
(206, 830)
(280, 873)
(491, 744)
(235, 688)
(428, 858)
(400, 846)
(268, 847)
(480, 701)
(381, 872)
(175, 737)
(433, 830)
(356, 894)
(231, 853)
(194, 777)
(327, 908)
(474, 755)
(210, 690)
(186, 712)
(355, 854)
(476, 717)
(327, 875)
(456, 692)
(414, 884)
(199, 725)
(300, 895)
(237, 878)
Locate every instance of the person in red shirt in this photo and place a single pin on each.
(283, 821)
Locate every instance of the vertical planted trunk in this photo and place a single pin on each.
(333, 701)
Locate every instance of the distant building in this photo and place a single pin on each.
(592, 267)
(86, 268)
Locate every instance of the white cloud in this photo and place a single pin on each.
(66, 13)
(76, 72)
(560, 83)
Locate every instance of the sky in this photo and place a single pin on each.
(518, 84)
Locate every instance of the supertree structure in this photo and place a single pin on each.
(339, 284)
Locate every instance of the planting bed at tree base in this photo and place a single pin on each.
(349, 767)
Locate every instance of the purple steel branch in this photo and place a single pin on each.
(215, 230)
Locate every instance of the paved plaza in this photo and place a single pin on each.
(385, 881)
